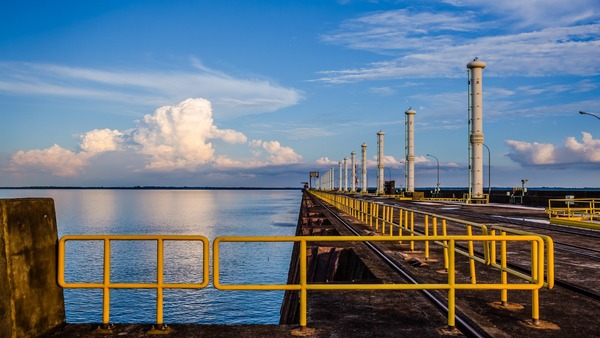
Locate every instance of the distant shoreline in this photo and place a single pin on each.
(150, 188)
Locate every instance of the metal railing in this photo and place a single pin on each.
(574, 209)
(369, 213)
(377, 215)
(106, 285)
(532, 282)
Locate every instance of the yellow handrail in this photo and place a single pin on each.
(581, 209)
(106, 284)
(529, 282)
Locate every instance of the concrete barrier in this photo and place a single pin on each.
(31, 302)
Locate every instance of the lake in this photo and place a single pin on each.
(210, 213)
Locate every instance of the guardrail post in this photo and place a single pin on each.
(471, 255)
(412, 230)
(426, 228)
(106, 289)
(451, 290)
(503, 273)
(446, 263)
(391, 221)
(376, 214)
(105, 328)
(303, 292)
(535, 293)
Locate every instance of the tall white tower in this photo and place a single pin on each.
(345, 174)
(475, 128)
(353, 164)
(380, 190)
(332, 181)
(410, 149)
(340, 185)
(364, 168)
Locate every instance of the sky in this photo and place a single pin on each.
(259, 93)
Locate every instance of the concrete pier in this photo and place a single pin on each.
(31, 302)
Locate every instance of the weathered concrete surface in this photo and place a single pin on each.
(31, 302)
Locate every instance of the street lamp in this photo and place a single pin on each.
(437, 189)
(590, 114)
(489, 170)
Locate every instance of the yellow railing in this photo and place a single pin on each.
(381, 217)
(375, 213)
(531, 282)
(505, 269)
(106, 283)
(578, 209)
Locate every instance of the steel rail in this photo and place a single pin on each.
(463, 323)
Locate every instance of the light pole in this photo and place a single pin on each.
(437, 189)
(590, 114)
(489, 170)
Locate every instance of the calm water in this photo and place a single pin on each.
(210, 213)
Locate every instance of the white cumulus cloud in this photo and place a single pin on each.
(176, 137)
(540, 154)
(57, 160)
(326, 161)
(172, 138)
(278, 154)
(101, 140)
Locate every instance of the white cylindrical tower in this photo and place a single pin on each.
(410, 149)
(353, 164)
(345, 174)
(476, 127)
(364, 168)
(332, 181)
(380, 190)
(340, 185)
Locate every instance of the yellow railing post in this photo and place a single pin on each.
(303, 292)
(471, 255)
(159, 280)
(426, 226)
(400, 220)
(383, 218)
(535, 299)
(503, 273)
(106, 289)
(451, 289)
(376, 214)
(391, 221)
(412, 230)
(446, 263)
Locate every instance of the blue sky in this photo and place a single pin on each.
(259, 93)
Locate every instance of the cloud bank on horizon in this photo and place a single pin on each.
(170, 139)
